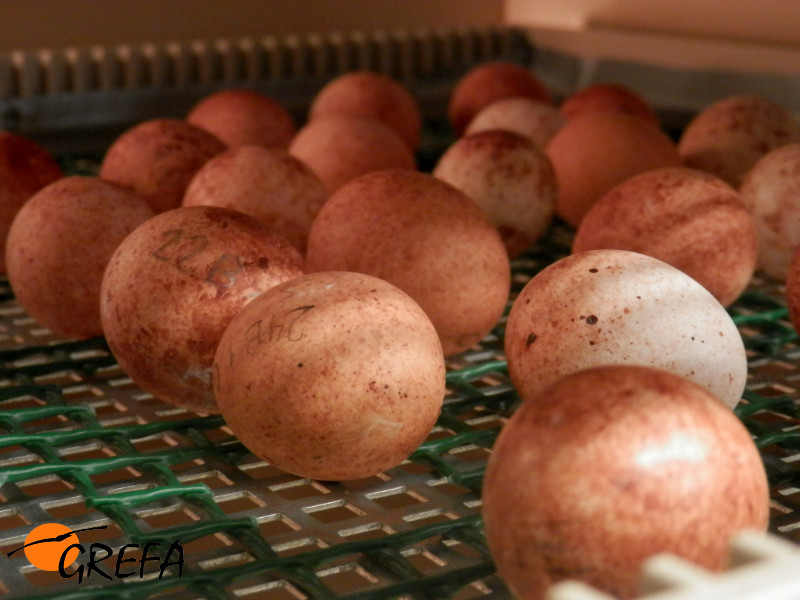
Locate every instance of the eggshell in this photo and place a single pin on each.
(620, 307)
(157, 158)
(58, 247)
(372, 95)
(25, 168)
(488, 82)
(608, 96)
(340, 147)
(771, 190)
(331, 376)
(729, 136)
(266, 183)
(610, 466)
(534, 119)
(688, 218)
(595, 151)
(427, 238)
(509, 178)
(240, 116)
(792, 290)
(174, 284)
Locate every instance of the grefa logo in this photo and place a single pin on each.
(56, 547)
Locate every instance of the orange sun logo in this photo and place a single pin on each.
(46, 543)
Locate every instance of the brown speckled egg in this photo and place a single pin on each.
(607, 96)
(621, 307)
(771, 190)
(240, 116)
(172, 287)
(610, 466)
(427, 238)
(59, 245)
(25, 168)
(509, 177)
(157, 158)
(594, 152)
(372, 95)
(534, 119)
(729, 136)
(488, 82)
(688, 218)
(331, 376)
(340, 147)
(267, 183)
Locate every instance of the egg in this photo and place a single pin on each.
(534, 119)
(770, 190)
(158, 158)
(25, 168)
(331, 376)
(621, 307)
(688, 218)
(375, 96)
(269, 184)
(595, 151)
(727, 137)
(425, 237)
(58, 247)
(608, 96)
(792, 290)
(174, 284)
(609, 466)
(340, 147)
(509, 177)
(488, 82)
(241, 116)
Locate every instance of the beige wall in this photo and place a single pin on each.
(28, 24)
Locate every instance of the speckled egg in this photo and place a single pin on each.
(59, 245)
(621, 307)
(332, 376)
(174, 284)
(688, 218)
(609, 466)
(727, 137)
(771, 191)
(509, 177)
(269, 184)
(158, 158)
(240, 116)
(534, 119)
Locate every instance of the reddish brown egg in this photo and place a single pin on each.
(688, 218)
(729, 136)
(594, 152)
(534, 119)
(266, 183)
(608, 467)
(25, 168)
(488, 82)
(59, 245)
(240, 116)
(332, 376)
(509, 178)
(340, 147)
(792, 290)
(770, 190)
(173, 285)
(427, 238)
(158, 158)
(608, 97)
(375, 96)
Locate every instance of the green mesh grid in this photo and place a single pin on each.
(82, 445)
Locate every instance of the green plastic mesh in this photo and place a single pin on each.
(82, 445)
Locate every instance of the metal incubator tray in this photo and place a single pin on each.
(83, 446)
